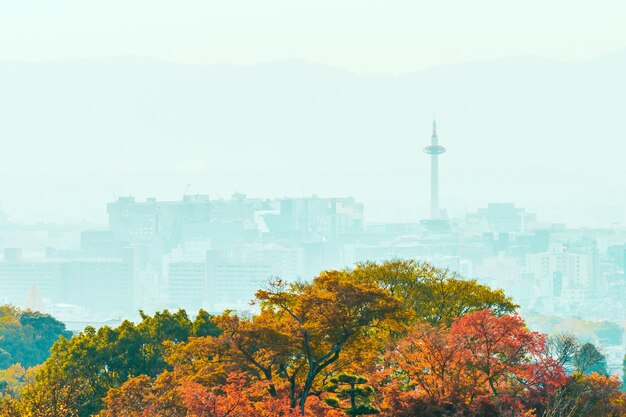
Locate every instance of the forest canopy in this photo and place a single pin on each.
(398, 338)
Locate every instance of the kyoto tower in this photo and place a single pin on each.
(434, 150)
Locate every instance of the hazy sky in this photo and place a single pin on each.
(361, 35)
(492, 113)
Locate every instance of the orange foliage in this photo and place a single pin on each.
(226, 400)
(482, 361)
(238, 397)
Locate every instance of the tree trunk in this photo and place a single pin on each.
(308, 384)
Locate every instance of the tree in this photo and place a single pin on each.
(54, 391)
(434, 295)
(27, 336)
(590, 395)
(143, 396)
(9, 407)
(588, 360)
(81, 371)
(562, 347)
(204, 325)
(352, 388)
(321, 318)
(501, 355)
(227, 400)
(262, 345)
(174, 395)
(482, 361)
(132, 399)
(12, 380)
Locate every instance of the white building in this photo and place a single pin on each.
(559, 272)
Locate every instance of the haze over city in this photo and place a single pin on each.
(312, 208)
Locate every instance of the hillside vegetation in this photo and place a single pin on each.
(399, 338)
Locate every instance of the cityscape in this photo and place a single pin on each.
(214, 254)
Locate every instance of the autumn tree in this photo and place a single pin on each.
(12, 380)
(204, 374)
(133, 399)
(308, 333)
(261, 345)
(55, 391)
(482, 360)
(321, 318)
(10, 408)
(238, 395)
(226, 400)
(143, 396)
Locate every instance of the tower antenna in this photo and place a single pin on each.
(434, 150)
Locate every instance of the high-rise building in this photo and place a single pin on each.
(19, 275)
(232, 284)
(315, 219)
(559, 271)
(103, 284)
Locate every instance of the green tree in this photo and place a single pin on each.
(204, 325)
(354, 390)
(80, 371)
(434, 295)
(588, 360)
(27, 336)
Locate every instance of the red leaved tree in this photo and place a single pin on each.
(483, 364)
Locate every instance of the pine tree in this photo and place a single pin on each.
(353, 390)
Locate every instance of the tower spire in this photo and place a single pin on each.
(434, 150)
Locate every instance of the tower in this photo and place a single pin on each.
(434, 150)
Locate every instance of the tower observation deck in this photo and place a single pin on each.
(434, 150)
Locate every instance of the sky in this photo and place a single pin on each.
(364, 36)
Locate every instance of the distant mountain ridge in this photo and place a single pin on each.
(149, 114)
